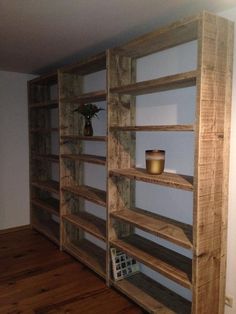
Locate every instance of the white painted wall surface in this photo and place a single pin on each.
(14, 159)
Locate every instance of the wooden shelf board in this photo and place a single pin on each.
(168, 263)
(50, 78)
(89, 223)
(89, 193)
(51, 205)
(86, 158)
(88, 253)
(93, 64)
(152, 296)
(175, 34)
(178, 127)
(49, 185)
(44, 104)
(87, 97)
(174, 180)
(84, 138)
(43, 130)
(48, 157)
(166, 228)
(157, 85)
(50, 229)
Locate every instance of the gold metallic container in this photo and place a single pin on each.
(155, 161)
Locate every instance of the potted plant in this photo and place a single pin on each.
(88, 111)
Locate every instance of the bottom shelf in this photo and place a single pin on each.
(152, 296)
(48, 228)
(88, 253)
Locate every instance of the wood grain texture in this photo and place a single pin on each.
(166, 228)
(83, 138)
(211, 163)
(89, 193)
(151, 128)
(37, 278)
(174, 180)
(86, 97)
(49, 186)
(152, 296)
(94, 159)
(158, 85)
(88, 222)
(169, 263)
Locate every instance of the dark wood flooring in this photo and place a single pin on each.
(35, 277)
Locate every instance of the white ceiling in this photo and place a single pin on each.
(39, 35)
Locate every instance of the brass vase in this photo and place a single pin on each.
(155, 161)
(88, 128)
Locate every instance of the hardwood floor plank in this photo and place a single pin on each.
(37, 278)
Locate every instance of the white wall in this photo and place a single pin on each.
(14, 160)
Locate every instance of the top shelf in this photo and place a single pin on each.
(87, 97)
(175, 81)
(90, 65)
(175, 34)
(44, 104)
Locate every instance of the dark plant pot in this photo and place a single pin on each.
(88, 128)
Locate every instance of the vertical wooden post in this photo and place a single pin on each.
(215, 46)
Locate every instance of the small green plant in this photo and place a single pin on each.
(88, 110)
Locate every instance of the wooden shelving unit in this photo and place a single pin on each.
(204, 274)
(76, 221)
(44, 189)
(159, 241)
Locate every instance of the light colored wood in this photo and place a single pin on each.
(87, 97)
(174, 180)
(89, 223)
(158, 85)
(175, 34)
(168, 263)
(151, 128)
(89, 254)
(166, 228)
(87, 192)
(211, 163)
(153, 297)
(100, 160)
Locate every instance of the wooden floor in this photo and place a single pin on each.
(35, 277)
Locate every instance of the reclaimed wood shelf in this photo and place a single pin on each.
(166, 228)
(89, 223)
(100, 160)
(150, 128)
(152, 296)
(47, 157)
(49, 228)
(84, 138)
(175, 34)
(50, 104)
(88, 253)
(89, 193)
(168, 263)
(158, 85)
(43, 130)
(49, 185)
(173, 180)
(86, 97)
(89, 65)
(51, 205)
